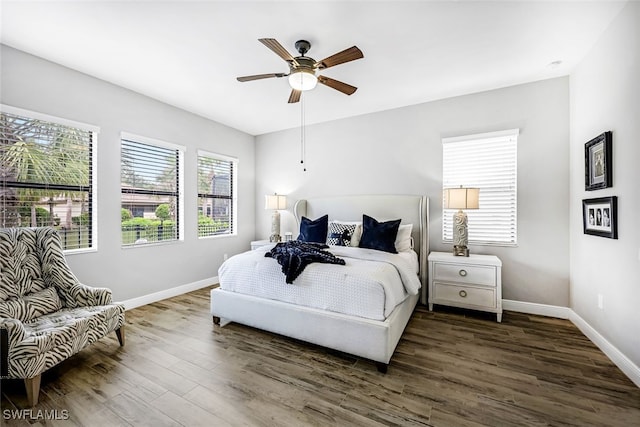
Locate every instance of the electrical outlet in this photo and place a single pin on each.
(225, 257)
(600, 302)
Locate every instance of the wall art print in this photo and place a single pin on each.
(598, 171)
(600, 216)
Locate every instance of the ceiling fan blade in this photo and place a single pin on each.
(346, 55)
(295, 96)
(337, 85)
(259, 76)
(277, 48)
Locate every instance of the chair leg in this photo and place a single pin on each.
(33, 389)
(382, 367)
(120, 334)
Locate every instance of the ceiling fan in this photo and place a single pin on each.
(302, 69)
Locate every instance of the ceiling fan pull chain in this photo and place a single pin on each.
(303, 136)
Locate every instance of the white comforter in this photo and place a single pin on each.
(370, 284)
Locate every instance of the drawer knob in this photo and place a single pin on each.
(462, 273)
(463, 294)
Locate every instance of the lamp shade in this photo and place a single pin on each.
(303, 80)
(461, 198)
(275, 201)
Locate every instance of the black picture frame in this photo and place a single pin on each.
(598, 168)
(600, 216)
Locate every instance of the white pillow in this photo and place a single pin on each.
(357, 234)
(403, 238)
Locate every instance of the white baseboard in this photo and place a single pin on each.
(629, 368)
(534, 308)
(168, 293)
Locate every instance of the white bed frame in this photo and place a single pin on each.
(371, 339)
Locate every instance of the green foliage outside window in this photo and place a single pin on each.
(163, 212)
(125, 214)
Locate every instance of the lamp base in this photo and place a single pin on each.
(460, 234)
(275, 227)
(460, 250)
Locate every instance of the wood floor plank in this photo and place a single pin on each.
(186, 412)
(323, 414)
(202, 360)
(451, 368)
(139, 413)
(139, 385)
(384, 413)
(224, 406)
(156, 373)
(85, 409)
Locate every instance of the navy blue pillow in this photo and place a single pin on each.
(379, 235)
(314, 231)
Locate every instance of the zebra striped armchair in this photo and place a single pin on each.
(46, 314)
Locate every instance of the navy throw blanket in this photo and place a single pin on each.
(295, 255)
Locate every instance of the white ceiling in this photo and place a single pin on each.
(188, 54)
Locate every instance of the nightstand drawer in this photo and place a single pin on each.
(459, 273)
(466, 295)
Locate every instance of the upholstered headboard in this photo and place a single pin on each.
(411, 209)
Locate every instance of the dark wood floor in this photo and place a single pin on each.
(451, 368)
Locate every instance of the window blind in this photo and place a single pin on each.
(46, 176)
(489, 162)
(216, 194)
(150, 192)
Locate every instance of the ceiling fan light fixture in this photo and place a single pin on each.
(303, 79)
(302, 69)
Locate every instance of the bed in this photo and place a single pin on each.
(370, 336)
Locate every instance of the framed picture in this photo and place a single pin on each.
(600, 216)
(598, 171)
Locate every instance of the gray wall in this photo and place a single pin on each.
(35, 84)
(604, 96)
(400, 151)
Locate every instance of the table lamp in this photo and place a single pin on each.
(461, 198)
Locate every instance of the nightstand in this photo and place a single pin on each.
(260, 243)
(473, 282)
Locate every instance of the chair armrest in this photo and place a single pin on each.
(11, 333)
(15, 329)
(80, 295)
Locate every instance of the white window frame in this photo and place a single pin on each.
(470, 161)
(181, 155)
(95, 130)
(234, 192)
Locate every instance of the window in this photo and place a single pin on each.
(216, 194)
(46, 175)
(151, 180)
(489, 162)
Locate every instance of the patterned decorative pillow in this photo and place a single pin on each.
(340, 233)
(32, 305)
